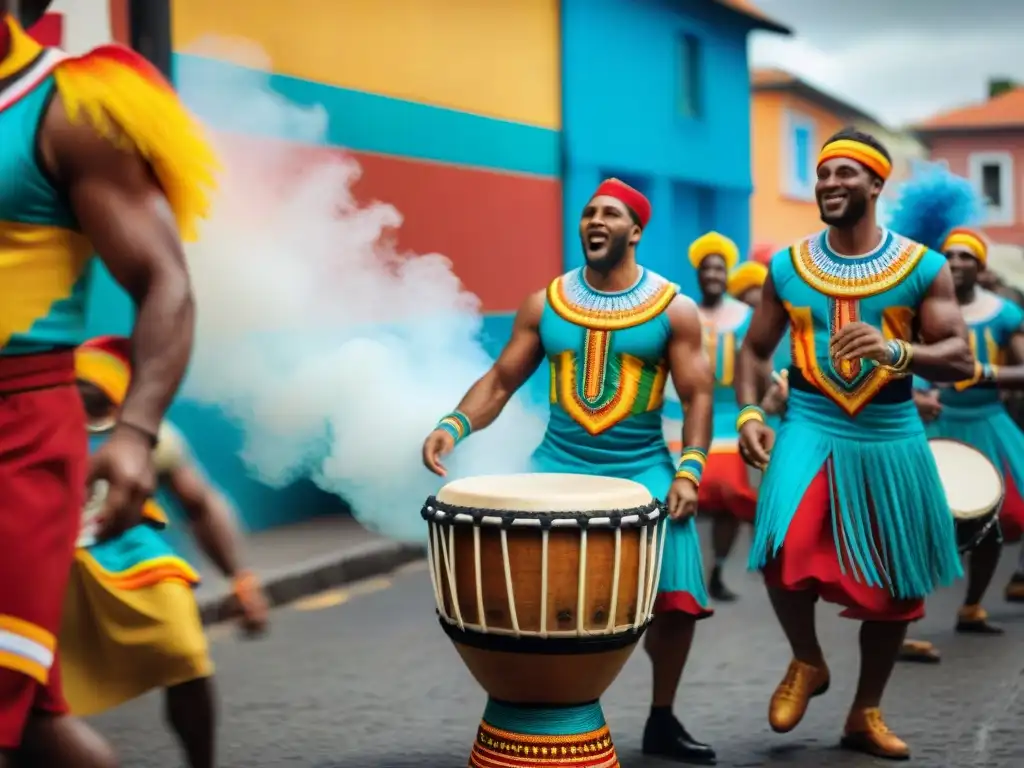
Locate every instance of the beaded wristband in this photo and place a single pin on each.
(901, 353)
(456, 424)
(749, 413)
(691, 464)
(983, 372)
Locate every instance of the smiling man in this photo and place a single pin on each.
(611, 332)
(851, 509)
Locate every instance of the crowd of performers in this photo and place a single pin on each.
(805, 391)
(807, 388)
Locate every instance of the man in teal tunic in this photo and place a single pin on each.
(612, 332)
(851, 509)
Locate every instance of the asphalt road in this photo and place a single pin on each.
(364, 678)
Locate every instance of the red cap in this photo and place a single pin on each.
(763, 253)
(631, 198)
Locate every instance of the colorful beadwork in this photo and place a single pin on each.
(868, 275)
(749, 413)
(456, 424)
(691, 464)
(574, 300)
(543, 738)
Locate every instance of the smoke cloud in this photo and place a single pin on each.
(334, 352)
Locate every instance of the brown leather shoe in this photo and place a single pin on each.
(973, 620)
(867, 732)
(920, 651)
(789, 702)
(1014, 592)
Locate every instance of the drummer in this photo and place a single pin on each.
(728, 293)
(973, 413)
(612, 331)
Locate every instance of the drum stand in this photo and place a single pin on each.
(518, 736)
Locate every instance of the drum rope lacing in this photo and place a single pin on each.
(439, 514)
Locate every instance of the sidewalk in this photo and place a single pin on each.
(305, 558)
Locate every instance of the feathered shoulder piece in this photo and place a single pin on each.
(931, 203)
(127, 100)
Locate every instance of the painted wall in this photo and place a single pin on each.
(966, 153)
(783, 207)
(623, 76)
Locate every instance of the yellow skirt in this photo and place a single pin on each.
(118, 644)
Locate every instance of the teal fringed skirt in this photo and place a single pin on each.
(892, 527)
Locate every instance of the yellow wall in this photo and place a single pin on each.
(775, 217)
(495, 58)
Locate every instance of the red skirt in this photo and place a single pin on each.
(808, 561)
(1011, 516)
(43, 466)
(724, 486)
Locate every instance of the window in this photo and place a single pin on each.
(689, 65)
(991, 174)
(798, 153)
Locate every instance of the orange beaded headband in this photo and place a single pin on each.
(864, 154)
(968, 239)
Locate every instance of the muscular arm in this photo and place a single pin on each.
(943, 355)
(517, 362)
(767, 327)
(125, 215)
(691, 372)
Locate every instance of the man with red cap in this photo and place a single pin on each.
(131, 623)
(98, 159)
(612, 332)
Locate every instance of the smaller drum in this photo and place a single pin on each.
(974, 489)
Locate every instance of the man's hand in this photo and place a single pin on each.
(125, 462)
(682, 499)
(860, 341)
(252, 603)
(777, 396)
(928, 404)
(438, 443)
(756, 442)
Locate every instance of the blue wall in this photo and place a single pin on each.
(620, 85)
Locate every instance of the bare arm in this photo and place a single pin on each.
(518, 361)
(210, 515)
(691, 372)
(125, 215)
(767, 327)
(944, 355)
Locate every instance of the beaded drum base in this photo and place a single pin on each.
(513, 736)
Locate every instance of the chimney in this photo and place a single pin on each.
(997, 86)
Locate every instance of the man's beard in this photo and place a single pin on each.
(856, 207)
(616, 252)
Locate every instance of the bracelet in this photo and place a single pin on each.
(983, 372)
(456, 424)
(901, 354)
(749, 413)
(153, 439)
(691, 464)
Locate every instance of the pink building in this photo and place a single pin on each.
(985, 143)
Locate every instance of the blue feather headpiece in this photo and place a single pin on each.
(931, 203)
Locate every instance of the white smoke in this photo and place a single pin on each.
(334, 352)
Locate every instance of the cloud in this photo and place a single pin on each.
(900, 61)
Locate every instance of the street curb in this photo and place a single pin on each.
(308, 578)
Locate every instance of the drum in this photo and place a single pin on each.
(544, 583)
(974, 489)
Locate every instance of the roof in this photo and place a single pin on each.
(782, 81)
(751, 11)
(1005, 111)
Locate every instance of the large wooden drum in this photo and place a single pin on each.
(544, 583)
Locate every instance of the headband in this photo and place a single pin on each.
(862, 153)
(639, 205)
(104, 363)
(968, 239)
(749, 274)
(714, 244)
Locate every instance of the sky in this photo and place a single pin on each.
(900, 61)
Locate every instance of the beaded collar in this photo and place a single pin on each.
(855, 276)
(573, 299)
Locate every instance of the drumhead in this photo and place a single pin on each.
(542, 492)
(972, 483)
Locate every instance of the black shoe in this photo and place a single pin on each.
(717, 589)
(667, 738)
